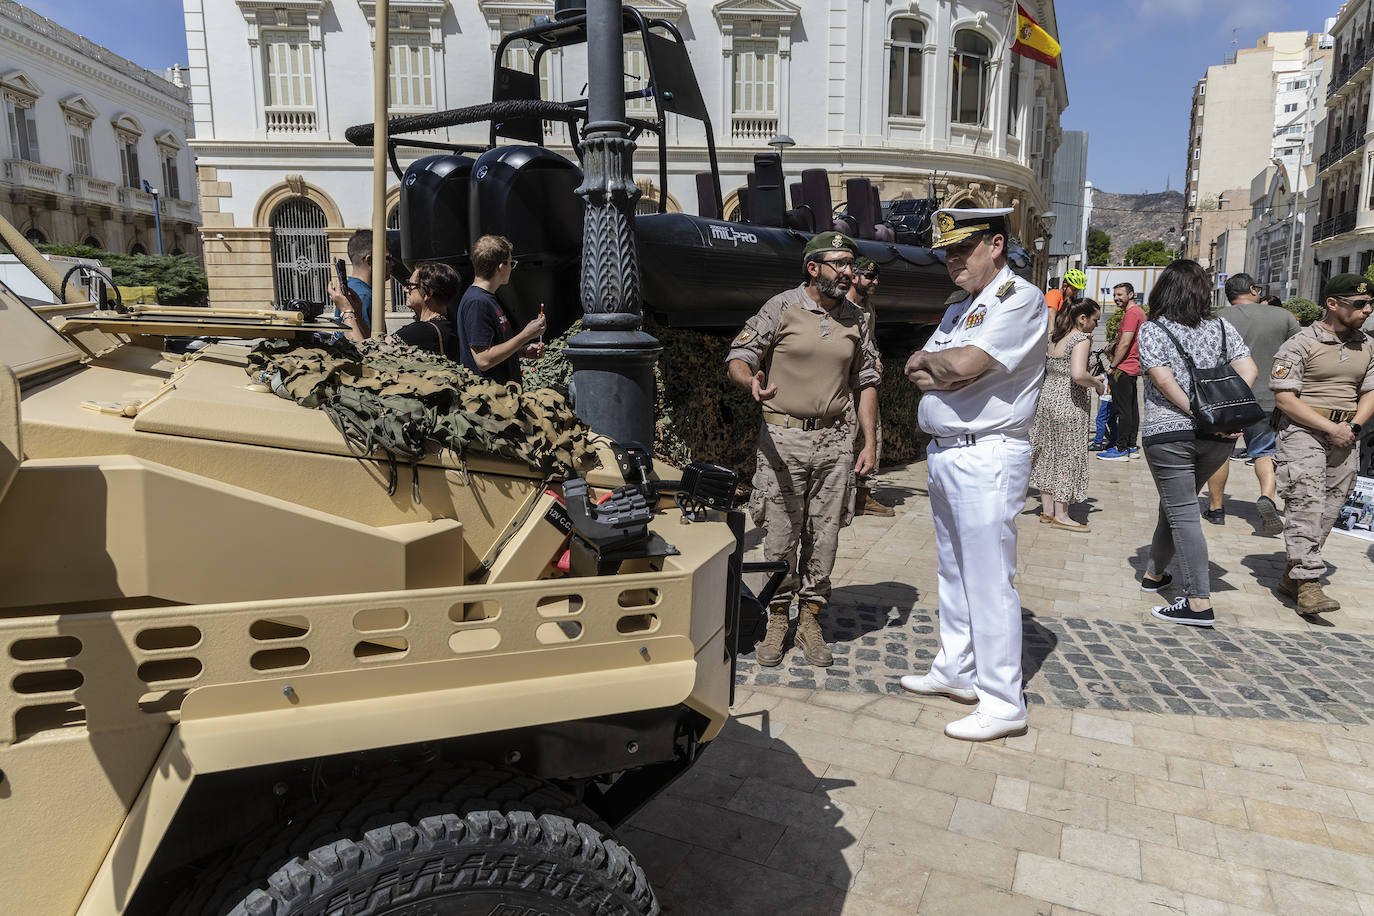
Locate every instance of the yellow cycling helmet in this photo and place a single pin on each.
(1076, 278)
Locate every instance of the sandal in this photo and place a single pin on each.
(1046, 519)
(1058, 524)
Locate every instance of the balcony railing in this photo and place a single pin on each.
(178, 209)
(290, 120)
(1356, 63)
(754, 128)
(84, 187)
(136, 199)
(1334, 225)
(1347, 146)
(25, 174)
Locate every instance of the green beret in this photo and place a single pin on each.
(828, 241)
(1343, 285)
(864, 264)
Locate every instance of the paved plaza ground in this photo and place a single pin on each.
(1167, 769)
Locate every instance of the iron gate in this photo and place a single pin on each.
(300, 251)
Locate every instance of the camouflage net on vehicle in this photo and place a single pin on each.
(701, 416)
(389, 397)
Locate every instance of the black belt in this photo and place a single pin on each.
(787, 421)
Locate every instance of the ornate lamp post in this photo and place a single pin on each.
(612, 357)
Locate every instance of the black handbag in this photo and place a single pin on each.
(1221, 401)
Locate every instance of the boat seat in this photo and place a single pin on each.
(859, 203)
(706, 196)
(767, 190)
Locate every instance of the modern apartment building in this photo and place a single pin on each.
(84, 129)
(1343, 223)
(1070, 203)
(1253, 113)
(902, 93)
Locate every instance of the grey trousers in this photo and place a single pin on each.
(1180, 470)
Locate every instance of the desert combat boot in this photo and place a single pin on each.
(809, 637)
(1312, 600)
(865, 504)
(768, 652)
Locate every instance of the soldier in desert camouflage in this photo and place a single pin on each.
(807, 354)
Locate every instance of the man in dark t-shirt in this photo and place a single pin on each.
(486, 343)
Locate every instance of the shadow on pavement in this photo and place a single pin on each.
(1037, 644)
(750, 828)
(857, 610)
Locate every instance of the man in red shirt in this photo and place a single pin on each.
(1124, 372)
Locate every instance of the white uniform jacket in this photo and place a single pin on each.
(1009, 322)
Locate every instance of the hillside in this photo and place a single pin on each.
(1131, 218)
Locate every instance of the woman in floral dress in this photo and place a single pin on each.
(1063, 422)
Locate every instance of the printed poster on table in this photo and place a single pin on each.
(1357, 515)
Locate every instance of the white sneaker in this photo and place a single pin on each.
(928, 686)
(982, 727)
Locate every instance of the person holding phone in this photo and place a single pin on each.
(428, 292)
(359, 280)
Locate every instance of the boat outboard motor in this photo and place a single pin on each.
(434, 212)
(529, 195)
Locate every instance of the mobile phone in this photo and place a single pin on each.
(341, 273)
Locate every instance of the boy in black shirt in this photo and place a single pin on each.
(486, 343)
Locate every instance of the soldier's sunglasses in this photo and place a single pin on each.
(1359, 306)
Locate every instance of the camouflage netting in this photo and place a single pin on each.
(701, 416)
(389, 397)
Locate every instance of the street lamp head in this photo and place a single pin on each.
(781, 142)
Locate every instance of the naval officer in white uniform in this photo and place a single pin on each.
(980, 376)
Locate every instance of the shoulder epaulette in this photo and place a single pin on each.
(956, 297)
(1005, 290)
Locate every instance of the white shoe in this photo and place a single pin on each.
(982, 727)
(927, 686)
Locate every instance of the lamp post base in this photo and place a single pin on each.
(613, 380)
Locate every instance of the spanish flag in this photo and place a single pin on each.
(1033, 41)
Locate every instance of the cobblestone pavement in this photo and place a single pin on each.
(1166, 769)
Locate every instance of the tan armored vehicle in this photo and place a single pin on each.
(241, 677)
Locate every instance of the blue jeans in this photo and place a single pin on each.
(1106, 423)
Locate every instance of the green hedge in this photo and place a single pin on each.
(1305, 310)
(701, 416)
(179, 278)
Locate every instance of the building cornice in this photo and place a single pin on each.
(26, 20)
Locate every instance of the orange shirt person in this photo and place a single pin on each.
(1071, 290)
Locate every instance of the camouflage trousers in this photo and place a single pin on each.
(1314, 479)
(851, 419)
(803, 495)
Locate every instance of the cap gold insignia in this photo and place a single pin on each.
(944, 221)
(1006, 289)
(1362, 288)
(1280, 370)
(836, 241)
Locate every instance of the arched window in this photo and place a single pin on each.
(300, 251)
(137, 248)
(969, 93)
(904, 68)
(35, 236)
(92, 241)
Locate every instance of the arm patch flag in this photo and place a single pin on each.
(1033, 41)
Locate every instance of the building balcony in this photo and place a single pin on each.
(1334, 225)
(91, 190)
(178, 209)
(1346, 147)
(1339, 80)
(136, 199)
(21, 173)
(286, 121)
(753, 128)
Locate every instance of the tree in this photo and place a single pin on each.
(178, 278)
(1099, 248)
(1149, 254)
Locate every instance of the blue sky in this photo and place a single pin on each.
(1130, 65)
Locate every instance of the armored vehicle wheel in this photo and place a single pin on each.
(507, 852)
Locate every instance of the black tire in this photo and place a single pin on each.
(476, 840)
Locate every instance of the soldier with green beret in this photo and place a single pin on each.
(861, 294)
(1323, 384)
(805, 357)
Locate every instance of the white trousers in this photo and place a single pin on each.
(976, 493)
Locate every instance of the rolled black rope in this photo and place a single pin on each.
(361, 134)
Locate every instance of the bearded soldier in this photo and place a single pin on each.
(807, 354)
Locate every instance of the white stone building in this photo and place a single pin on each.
(1343, 219)
(84, 128)
(866, 88)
